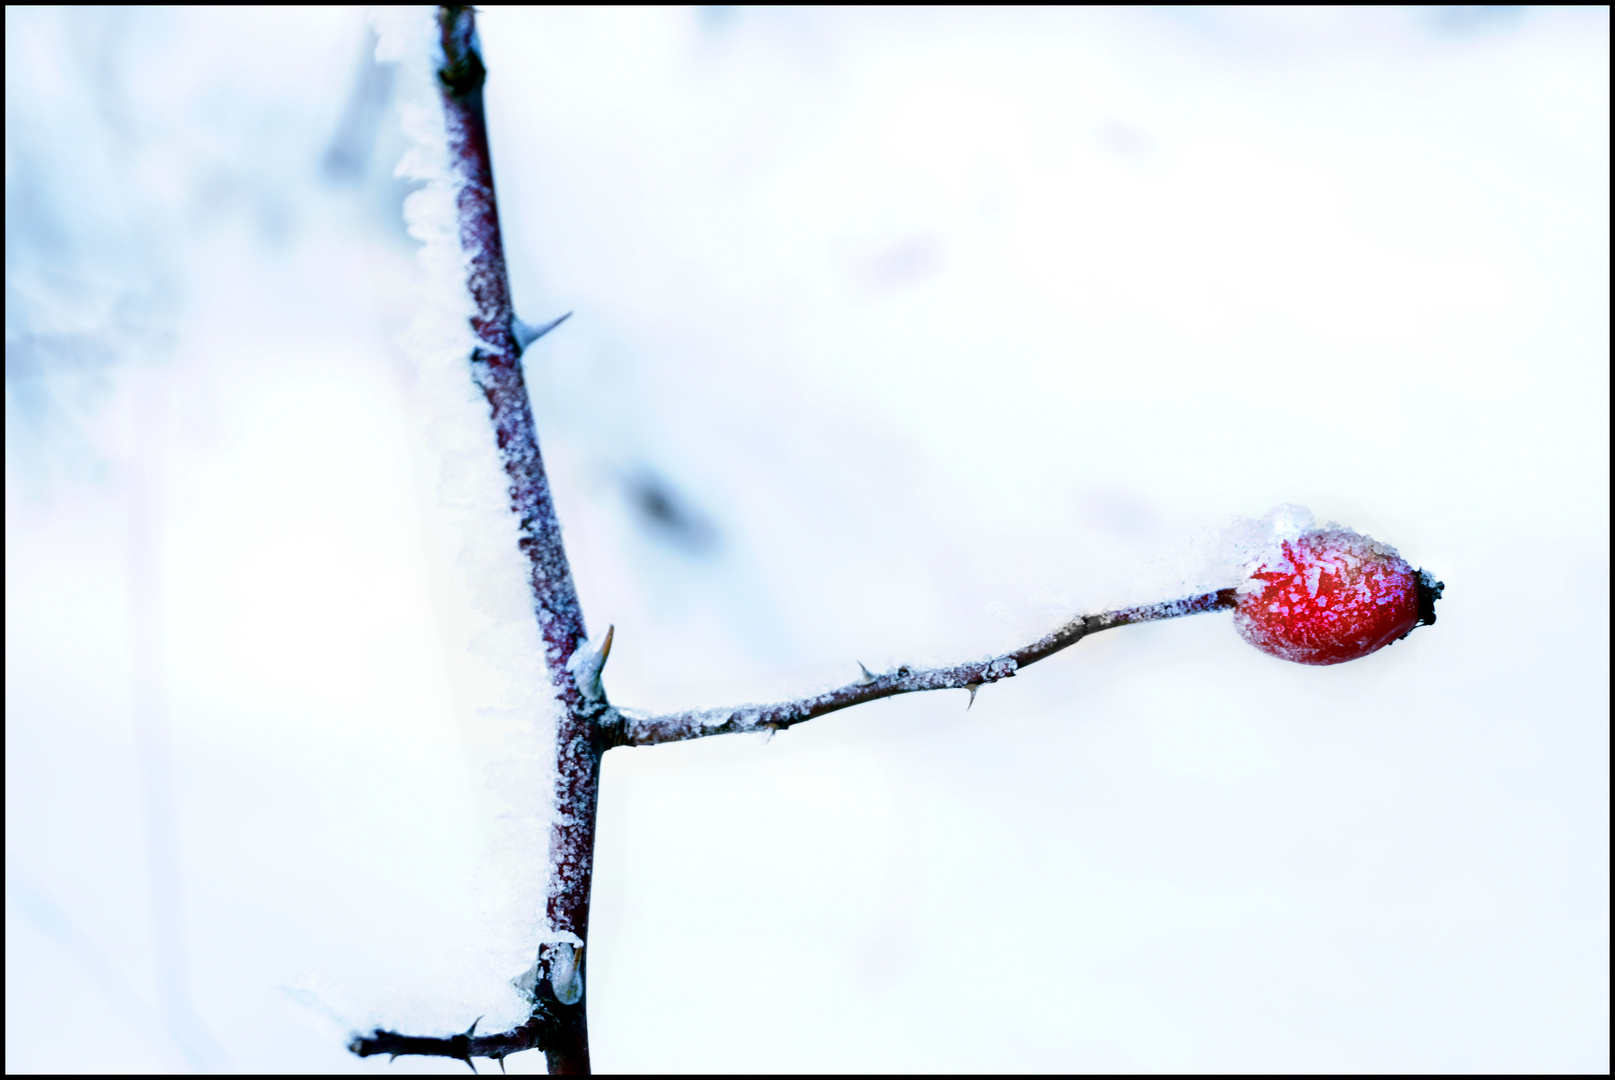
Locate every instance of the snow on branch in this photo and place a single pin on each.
(694, 724)
(456, 215)
(500, 339)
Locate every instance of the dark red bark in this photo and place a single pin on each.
(496, 368)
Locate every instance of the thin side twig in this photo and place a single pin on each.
(462, 1047)
(698, 723)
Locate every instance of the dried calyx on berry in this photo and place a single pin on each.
(1325, 596)
(1429, 591)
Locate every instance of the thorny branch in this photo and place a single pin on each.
(589, 725)
(674, 727)
(463, 1047)
(555, 983)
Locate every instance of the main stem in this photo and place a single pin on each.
(496, 368)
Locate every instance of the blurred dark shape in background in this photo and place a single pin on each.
(668, 516)
(1476, 18)
(347, 159)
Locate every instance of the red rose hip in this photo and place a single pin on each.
(1331, 595)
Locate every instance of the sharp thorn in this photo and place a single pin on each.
(473, 1027)
(586, 663)
(868, 678)
(501, 1060)
(972, 687)
(526, 334)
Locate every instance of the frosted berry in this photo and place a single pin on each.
(1332, 595)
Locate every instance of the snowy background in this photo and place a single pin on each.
(899, 336)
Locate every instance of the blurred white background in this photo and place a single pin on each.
(900, 336)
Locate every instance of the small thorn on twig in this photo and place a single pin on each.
(501, 1059)
(605, 646)
(526, 334)
(472, 1029)
(868, 678)
(972, 687)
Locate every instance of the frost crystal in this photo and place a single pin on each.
(514, 738)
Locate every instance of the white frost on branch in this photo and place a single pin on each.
(513, 739)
